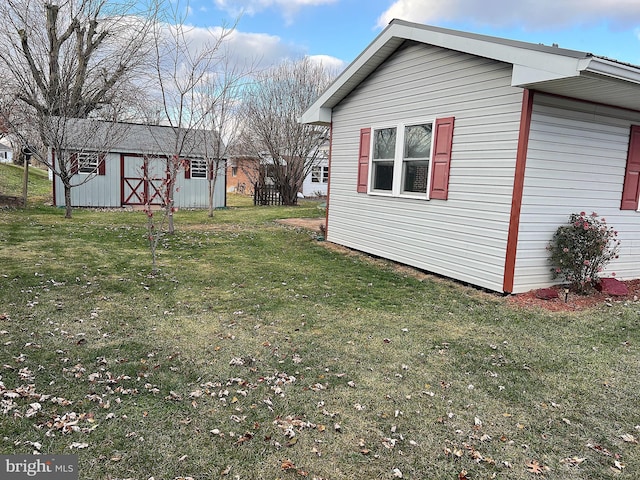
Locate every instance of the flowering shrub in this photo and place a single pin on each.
(581, 249)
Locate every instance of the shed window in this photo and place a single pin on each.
(198, 168)
(87, 162)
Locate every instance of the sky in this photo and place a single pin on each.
(337, 31)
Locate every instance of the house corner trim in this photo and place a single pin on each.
(518, 186)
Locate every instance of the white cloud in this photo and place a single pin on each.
(259, 50)
(330, 63)
(250, 7)
(530, 14)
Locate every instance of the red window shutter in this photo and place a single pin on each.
(74, 164)
(187, 169)
(363, 160)
(441, 163)
(631, 188)
(102, 167)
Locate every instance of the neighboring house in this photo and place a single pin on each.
(461, 154)
(6, 152)
(242, 173)
(245, 170)
(118, 170)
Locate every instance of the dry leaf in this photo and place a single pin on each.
(397, 473)
(226, 471)
(627, 437)
(463, 475)
(287, 465)
(534, 467)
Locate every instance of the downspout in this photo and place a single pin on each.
(518, 187)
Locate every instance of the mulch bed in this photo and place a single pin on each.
(575, 302)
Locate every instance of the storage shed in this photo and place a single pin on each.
(110, 173)
(461, 154)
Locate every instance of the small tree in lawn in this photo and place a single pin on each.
(181, 71)
(581, 249)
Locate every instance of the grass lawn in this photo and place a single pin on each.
(257, 353)
(38, 188)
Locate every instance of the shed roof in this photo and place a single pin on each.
(90, 134)
(548, 69)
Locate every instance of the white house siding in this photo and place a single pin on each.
(576, 162)
(465, 236)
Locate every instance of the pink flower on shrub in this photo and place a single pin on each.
(587, 263)
(565, 250)
(582, 214)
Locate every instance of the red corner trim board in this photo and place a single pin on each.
(516, 197)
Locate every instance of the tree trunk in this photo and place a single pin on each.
(67, 200)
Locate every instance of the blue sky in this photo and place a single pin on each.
(338, 30)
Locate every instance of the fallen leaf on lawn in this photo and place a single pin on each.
(599, 448)
(534, 467)
(287, 465)
(573, 461)
(292, 441)
(627, 437)
(226, 471)
(182, 458)
(397, 473)
(463, 475)
(78, 445)
(618, 465)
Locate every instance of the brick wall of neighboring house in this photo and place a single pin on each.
(242, 173)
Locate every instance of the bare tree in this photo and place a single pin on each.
(182, 70)
(274, 105)
(67, 60)
(221, 99)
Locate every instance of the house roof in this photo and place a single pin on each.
(548, 69)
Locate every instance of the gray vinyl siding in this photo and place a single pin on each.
(465, 236)
(98, 191)
(576, 162)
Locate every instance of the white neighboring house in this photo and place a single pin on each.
(461, 154)
(316, 183)
(6, 152)
(118, 179)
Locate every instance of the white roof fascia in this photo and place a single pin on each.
(613, 69)
(531, 63)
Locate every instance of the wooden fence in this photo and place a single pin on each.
(266, 195)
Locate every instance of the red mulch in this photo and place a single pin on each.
(575, 301)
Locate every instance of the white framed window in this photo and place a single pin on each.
(198, 168)
(319, 174)
(401, 158)
(87, 162)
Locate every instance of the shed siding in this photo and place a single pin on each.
(99, 191)
(465, 236)
(104, 190)
(576, 162)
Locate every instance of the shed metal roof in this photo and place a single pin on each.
(549, 69)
